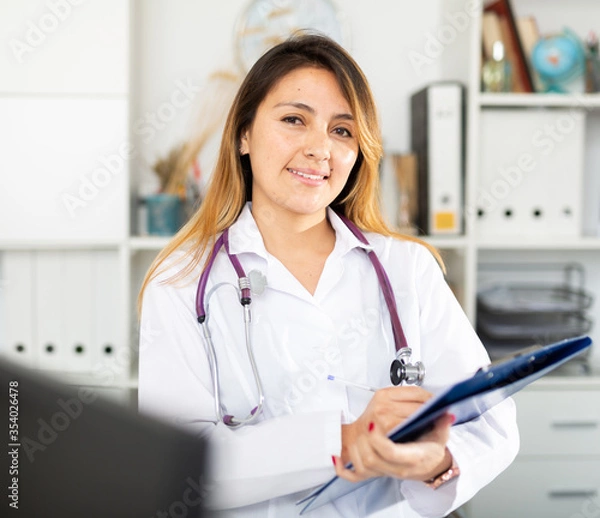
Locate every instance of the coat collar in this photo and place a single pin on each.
(244, 236)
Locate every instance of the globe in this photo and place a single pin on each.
(558, 59)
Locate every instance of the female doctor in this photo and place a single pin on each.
(294, 189)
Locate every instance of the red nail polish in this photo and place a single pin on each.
(334, 461)
(371, 426)
(453, 417)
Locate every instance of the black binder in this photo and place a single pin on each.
(438, 141)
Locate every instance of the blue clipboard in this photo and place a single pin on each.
(467, 400)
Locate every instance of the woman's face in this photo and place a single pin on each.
(302, 143)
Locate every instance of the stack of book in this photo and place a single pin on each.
(518, 36)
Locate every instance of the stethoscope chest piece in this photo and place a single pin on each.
(402, 371)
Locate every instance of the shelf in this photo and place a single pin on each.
(488, 100)
(67, 95)
(583, 243)
(156, 243)
(96, 244)
(153, 243)
(558, 382)
(446, 242)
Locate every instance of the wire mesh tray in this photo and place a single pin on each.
(533, 298)
(535, 329)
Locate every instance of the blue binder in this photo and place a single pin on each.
(466, 400)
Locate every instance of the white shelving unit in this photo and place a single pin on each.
(64, 231)
(542, 245)
(479, 103)
(556, 472)
(150, 243)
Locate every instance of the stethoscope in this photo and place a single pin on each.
(401, 369)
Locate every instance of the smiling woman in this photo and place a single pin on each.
(294, 188)
(302, 145)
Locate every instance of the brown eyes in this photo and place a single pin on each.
(295, 121)
(343, 132)
(292, 119)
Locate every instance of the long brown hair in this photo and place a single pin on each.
(231, 183)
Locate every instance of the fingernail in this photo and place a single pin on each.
(371, 426)
(334, 461)
(453, 419)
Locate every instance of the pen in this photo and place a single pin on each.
(351, 383)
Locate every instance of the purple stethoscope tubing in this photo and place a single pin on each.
(245, 300)
(384, 283)
(401, 369)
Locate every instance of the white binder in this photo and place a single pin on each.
(50, 341)
(531, 185)
(77, 310)
(437, 138)
(108, 361)
(17, 318)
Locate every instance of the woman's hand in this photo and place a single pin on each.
(366, 445)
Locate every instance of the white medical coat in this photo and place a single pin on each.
(343, 329)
